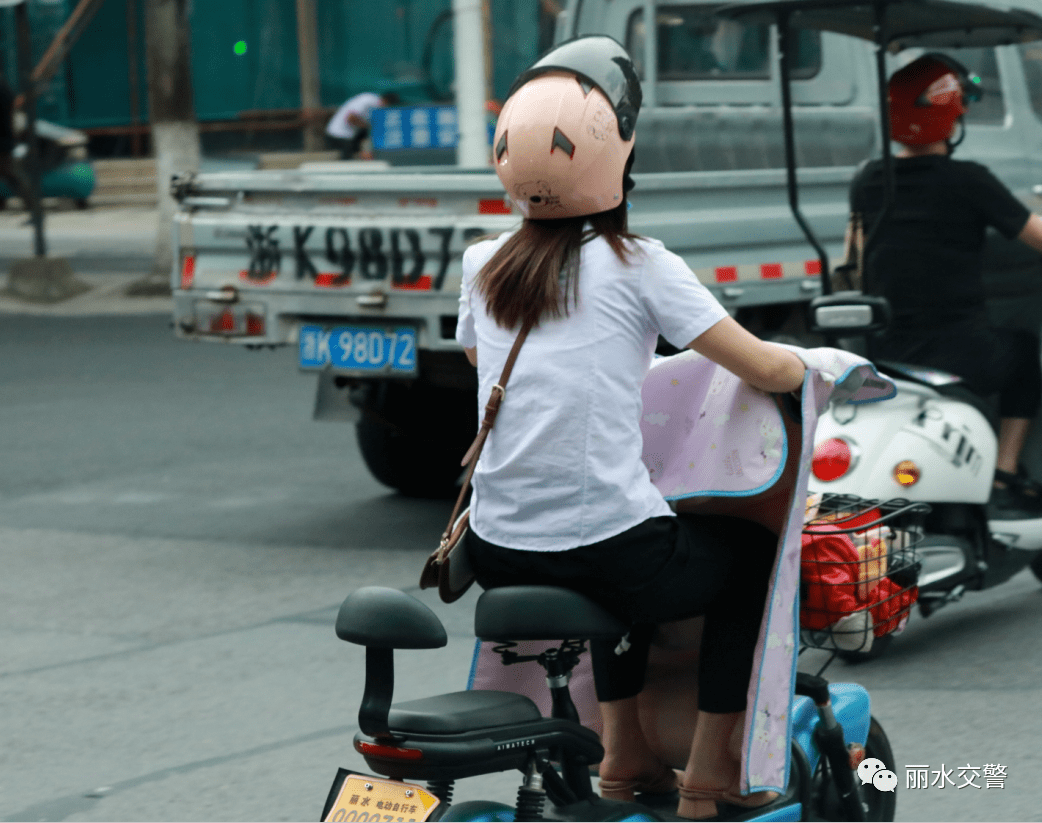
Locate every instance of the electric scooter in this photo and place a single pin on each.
(933, 443)
(438, 740)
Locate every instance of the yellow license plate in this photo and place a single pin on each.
(373, 799)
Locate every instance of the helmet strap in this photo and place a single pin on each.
(951, 143)
(627, 179)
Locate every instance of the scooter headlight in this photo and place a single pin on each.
(834, 458)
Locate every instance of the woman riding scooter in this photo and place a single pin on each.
(926, 260)
(561, 495)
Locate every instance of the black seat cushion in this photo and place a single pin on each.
(461, 712)
(542, 613)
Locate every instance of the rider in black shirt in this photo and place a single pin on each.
(927, 261)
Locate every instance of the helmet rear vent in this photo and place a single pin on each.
(501, 146)
(562, 142)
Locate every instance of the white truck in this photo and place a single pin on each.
(360, 272)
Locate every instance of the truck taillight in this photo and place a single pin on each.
(833, 458)
(241, 320)
(187, 271)
(499, 205)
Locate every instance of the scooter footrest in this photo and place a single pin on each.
(461, 712)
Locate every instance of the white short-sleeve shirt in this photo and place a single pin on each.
(562, 467)
(362, 105)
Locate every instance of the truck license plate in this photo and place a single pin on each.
(359, 349)
(374, 799)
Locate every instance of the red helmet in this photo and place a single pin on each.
(927, 97)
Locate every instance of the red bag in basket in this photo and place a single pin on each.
(829, 569)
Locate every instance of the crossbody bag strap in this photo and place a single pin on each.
(470, 459)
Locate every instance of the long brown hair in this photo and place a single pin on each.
(536, 272)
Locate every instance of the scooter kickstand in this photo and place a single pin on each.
(928, 606)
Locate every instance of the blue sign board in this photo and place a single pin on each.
(417, 127)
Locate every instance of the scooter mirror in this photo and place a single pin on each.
(849, 313)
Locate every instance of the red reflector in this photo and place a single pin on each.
(771, 271)
(389, 752)
(832, 459)
(812, 267)
(223, 322)
(187, 271)
(329, 280)
(726, 274)
(423, 284)
(257, 280)
(493, 207)
(254, 325)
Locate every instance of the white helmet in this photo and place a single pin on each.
(567, 130)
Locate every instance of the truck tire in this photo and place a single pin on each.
(413, 437)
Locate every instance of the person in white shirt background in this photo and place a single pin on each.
(560, 494)
(349, 127)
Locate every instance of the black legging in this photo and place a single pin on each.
(990, 360)
(664, 569)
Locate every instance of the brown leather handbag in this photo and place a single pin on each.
(448, 567)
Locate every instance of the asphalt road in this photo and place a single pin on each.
(176, 535)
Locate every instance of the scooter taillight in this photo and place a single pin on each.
(833, 458)
(387, 752)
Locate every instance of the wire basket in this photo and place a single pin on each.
(859, 570)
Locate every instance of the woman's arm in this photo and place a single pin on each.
(1032, 233)
(472, 355)
(763, 365)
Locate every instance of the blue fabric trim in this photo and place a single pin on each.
(792, 677)
(893, 388)
(473, 665)
(750, 492)
(795, 634)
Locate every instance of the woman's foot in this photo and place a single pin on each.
(703, 804)
(658, 780)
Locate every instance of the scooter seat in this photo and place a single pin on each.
(543, 613)
(460, 712)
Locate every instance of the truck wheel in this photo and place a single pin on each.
(413, 437)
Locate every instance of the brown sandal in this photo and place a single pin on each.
(664, 782)
(716, 796)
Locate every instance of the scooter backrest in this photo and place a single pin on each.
(543, 613)
(382, 618)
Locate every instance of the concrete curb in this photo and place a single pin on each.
(106, 295)
(83, 238)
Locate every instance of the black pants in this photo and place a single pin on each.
(665, 569)
(991, 361)
(349, 146)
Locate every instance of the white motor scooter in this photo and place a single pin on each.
(931, 443)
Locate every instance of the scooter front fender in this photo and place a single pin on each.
(852, 707)
(951, 444)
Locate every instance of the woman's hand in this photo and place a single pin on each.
(763, 365)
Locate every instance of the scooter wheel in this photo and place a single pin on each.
(878, 805)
